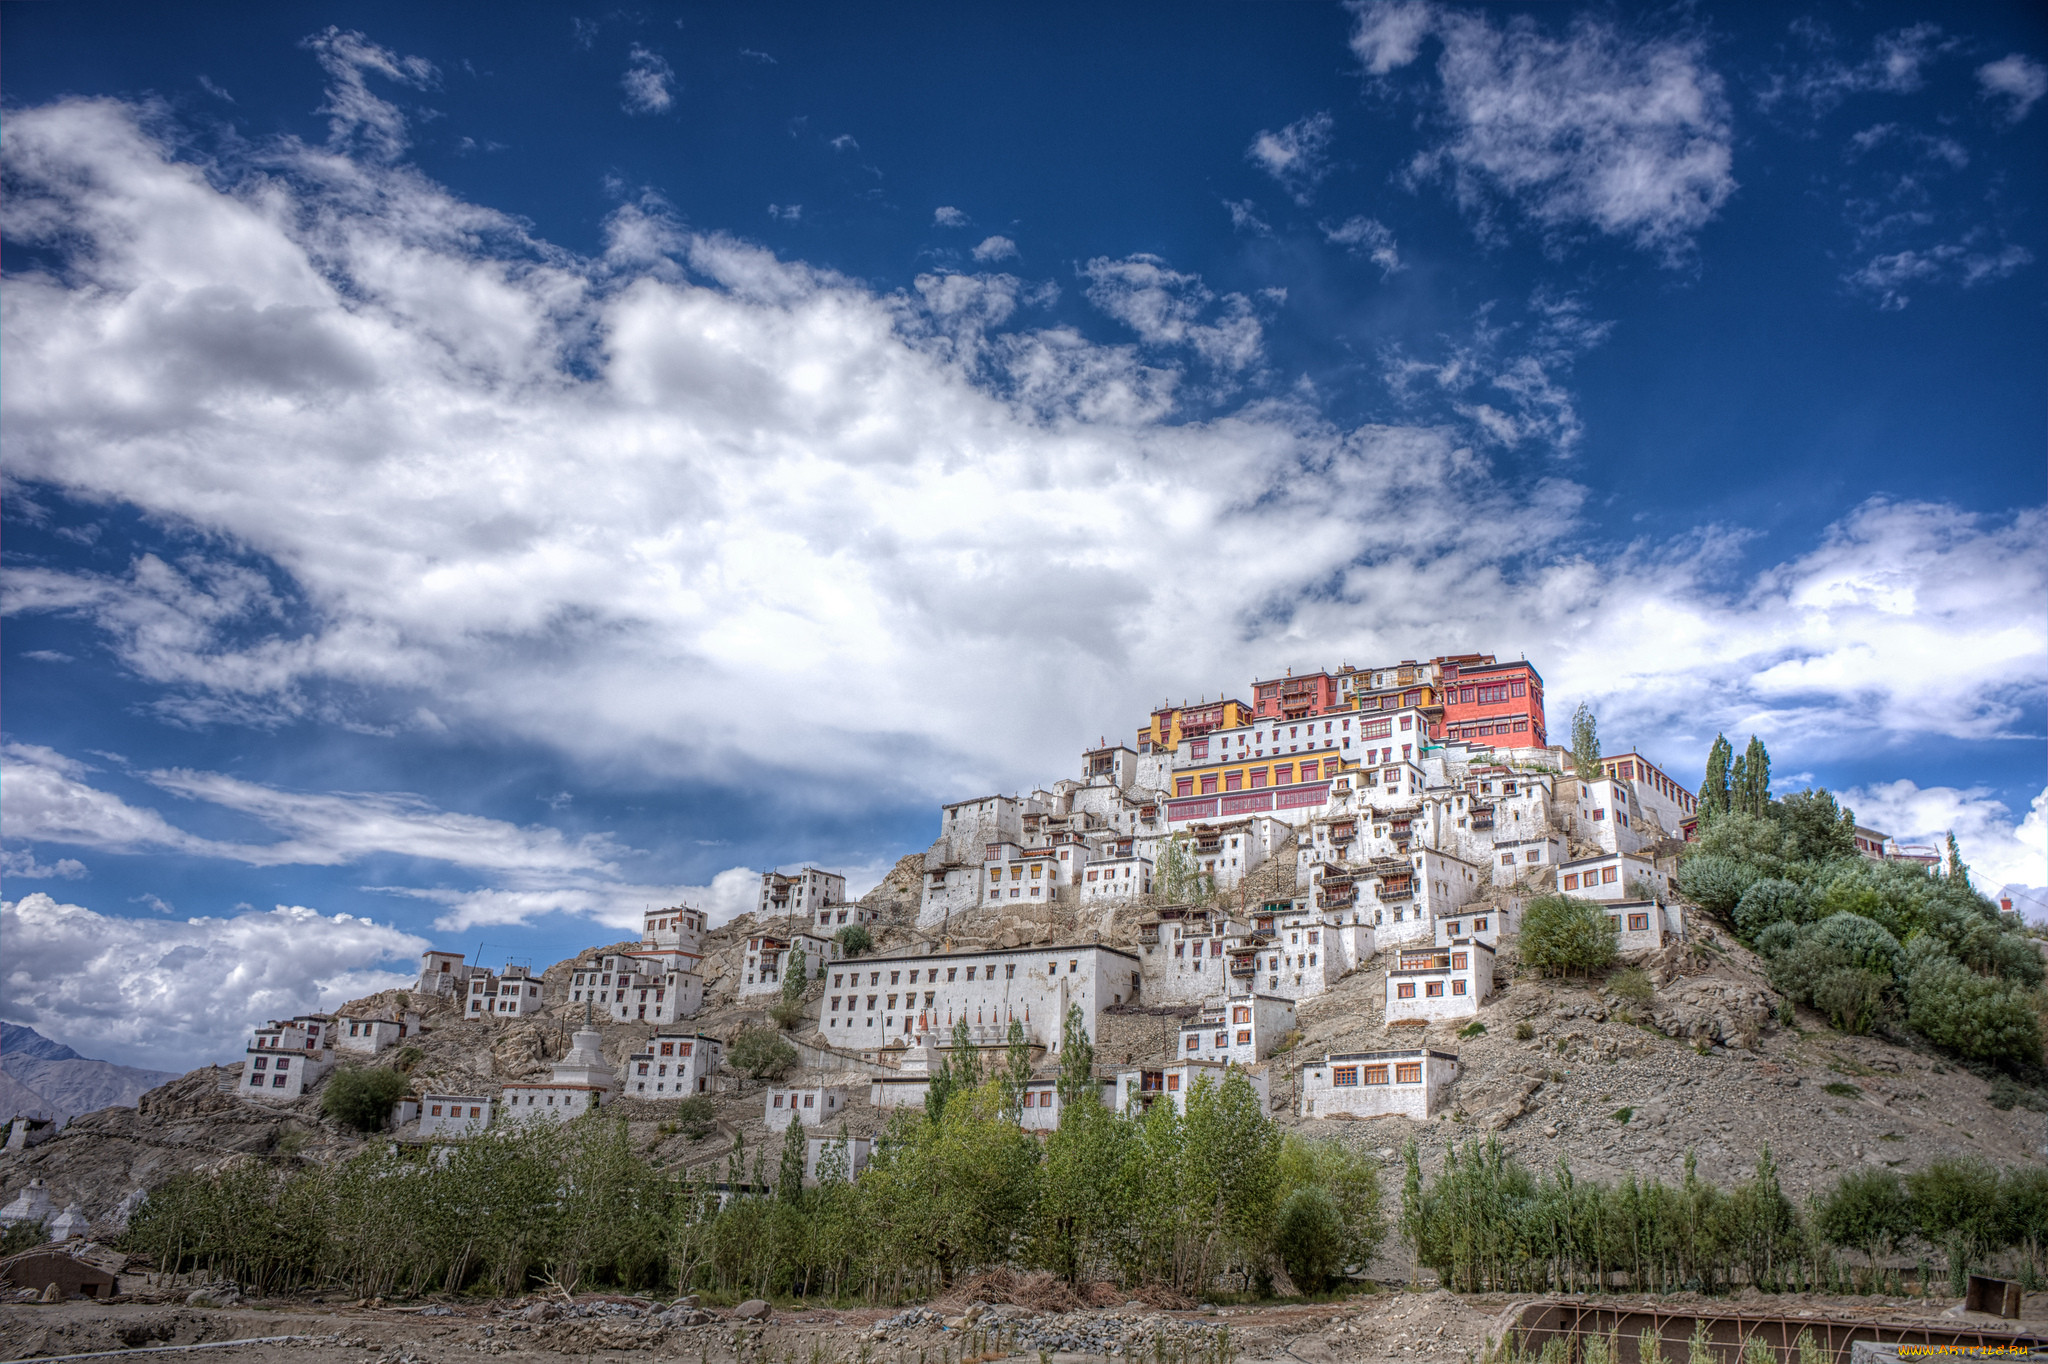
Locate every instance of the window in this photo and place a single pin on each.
(436, 1113)
(952, 972)
(1571, 880)
(1507, 859)
(1434, 989)
(1283, 774)
(1344, 1076)
(1244, 1037)
(1309, 771)
(1209, 785)
(1607, 875)
(1194, 1041)
(1638, 923)
(1457, 987)
(1457, 961)
(1405, 990)
(1184, 786)
(778, 1101)
(970, 970)
(1375, 1075)
(1454, 928)
(1173, 1081)
(808, 1100)
(1010, 972)
(835, 1005)
(1408, 1073)
(1479, 925)
(1233, 780)
(1241, 1014)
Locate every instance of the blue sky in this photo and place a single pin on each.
(473, 473)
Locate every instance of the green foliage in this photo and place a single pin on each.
(1631, 984)
(1713, 799)
(1524, 1031)
(1867, 1210)
(1772, 900)
(1749, 785)
(1016, 1071)
(1566, 936)
(1350, 1181)
(1585, 743)
(1716, 882)
(361, 1097)
(2007, 1094)
(1473, 1029)
(854, 940)
(696, 1116)
(1974, 1016)
(1077, 1058)
(762, 1053)
(1176, 877)
(796, 976)
(1309, 1239)
(23, 1236)
(1955, 1207)
(1816, 828)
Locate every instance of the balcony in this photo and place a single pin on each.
(1391, 891)
(1149, 935)
(1338, 898)
(1244, 966)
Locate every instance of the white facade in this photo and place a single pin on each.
(284, 1059)
(1026, 877)
(679, 928)
(672, 1067)
(454, 1115)
(373, 1035)
(852, 1153)
(648, 986)
(1429, 984)
(583, 1080)
(874, 1002)
(1643, 925)
(515, 994)
(953, 865)
(1239, 1031)
(806, 1104)
(1612, 876)
(1660, 798)
(1181, 954)
(1139, 1087)
(443, 973)
(1514, 859)
(805, 895)
(768, 956)
(1375, 1084)
(1117, 878)
(1480, 923)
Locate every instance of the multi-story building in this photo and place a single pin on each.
(805, 894)
(652, 985)
(1181, 953)
(1140, 1087)
(807, 1105)
(1171, 724)
(512, 995)
(679, 928)
(768, 959)
(1032, 875)
(1430, 983)
(1611, 876)
(582, 1080)
(1500, 704)
(1657, 795)
(876, 1002)
(672, 1066)
(1643, 925)
(1377, 1084)
(1241, 1031)
(1296, 696)
(353, 1032)
(284, 1059)
(1114, 764)
(443, 973)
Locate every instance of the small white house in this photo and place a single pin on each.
(1041, 1105)
(454, 1115)
(673, 1067)
(512, 995)
(1642, 925)
(853, 1156)
(1480, 923)
(679, 928)
(806, 1105)
(898, 1091)
(443, 973)
(1140, 1087)
(652, 985)
(583, 1080)
(1377, 1084)
(1611, 876)
(1515, 858)
(284, 1059)
(768, 957)
(373, 1035)
(1241, 1030)
(1428, 984)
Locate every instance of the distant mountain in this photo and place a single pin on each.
(49, 1079)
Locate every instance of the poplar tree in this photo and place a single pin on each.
(1077, 1058)
(1585, 743)
(1755, 770)
(1016, 1072)
(789, 1177)
(1714, 789)
(1958, 873)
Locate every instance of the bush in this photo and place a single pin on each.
(1863, 943)
(2006, 1094)
(1852, 998)
(1972, 1015)
(361, 1097)
(1524, 1030)
(1767, 902)
(762, 1053)
(1310, 1239)
(1472, 1029)
(1955, 1207)
(1631, 984)
(1715, 882)
(24, 1236)
(1867, 1210)
(855, 939)
(1779, 938)
(696, 1116)
(1561, 935)
(789, 1014)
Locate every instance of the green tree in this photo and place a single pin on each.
(1349, 1184)
(1310, 1238)
(1754, 779)
(1867, 1210)
(1016, 1071)
(1766, 902)
(1562, 935)
(1958, 873)
(361, 1097)
(1176, 877)
(789, 1174)
(1086, 1192)
(1716, 882)
(854, 940)
(762, 1053)
(1975, 1016)
(1955, 1206)
(1714, 789)
(1077, 1058)
(788, 1011)
(1816, 828)
(1585, 743)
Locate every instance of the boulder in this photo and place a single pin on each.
(753, 1309)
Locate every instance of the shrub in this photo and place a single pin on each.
(1778, 938)
(1309, 1238)
(1631, 984)
(24, 1236)
(1472, 1029)
(1863, 943)
(1955, 1206)
(762, 1053)
(855, 939)
(789, 1014)
(1716, 882)
(361, 1097)
(1972, 1015)
(1867, 1210)
(695, 1117)
(1766, 902)
(1561, 935)
(1852, 999)
(1524, 1030)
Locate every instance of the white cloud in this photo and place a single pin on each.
(173, 995)
(649, 82)
(623, 508)
(1627, 136)
(995, 248)
(948, 216)
(1297, 156)
(1389, 33)
(731, 892)
(1370, 238)
(357, 119)
(1888, 275)
(2017, 78)
(1161, 305)
(844, 143)
(1998, 849)
(24, 865)
(1244, 216)
(788, 213)
(1520, 368)
(1896, 65)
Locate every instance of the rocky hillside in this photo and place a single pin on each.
(1624, 1074)
(49, 1079)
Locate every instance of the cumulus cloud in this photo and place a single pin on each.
(1598, 129)
(24, 864)
(649, 82)
(995, 249)
(945, 215)
(1163, 306)
(618, 508)
(173, 995)
(1999, 850)
(2017, 79)
(1367, 237)
(1297, 156)
(619, 906)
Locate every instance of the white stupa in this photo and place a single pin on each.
(32, 1204)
